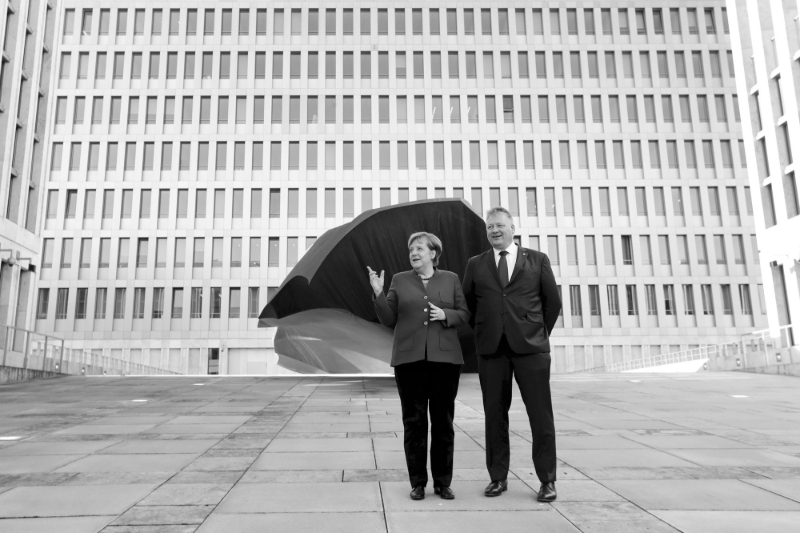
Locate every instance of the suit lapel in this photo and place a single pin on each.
(522, 254)
(489, 259)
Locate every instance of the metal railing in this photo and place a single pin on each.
(703, 352)
(21, 348)
(754, 350)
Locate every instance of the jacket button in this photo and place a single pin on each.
(425, 310)
(505, 295)
(425, 323)
(425, 297)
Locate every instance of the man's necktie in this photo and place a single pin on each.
(502, 268)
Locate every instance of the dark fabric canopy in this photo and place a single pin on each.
(333, 273)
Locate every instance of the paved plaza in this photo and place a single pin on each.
(691, 452)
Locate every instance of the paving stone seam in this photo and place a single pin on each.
(785, 497)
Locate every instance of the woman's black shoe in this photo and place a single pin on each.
(444, 492)
(418, 493)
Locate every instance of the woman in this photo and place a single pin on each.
(425, 305)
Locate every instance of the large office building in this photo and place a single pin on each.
(27, 34)
(195, 151)
(767, 59)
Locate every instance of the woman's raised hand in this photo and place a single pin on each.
(376, 281)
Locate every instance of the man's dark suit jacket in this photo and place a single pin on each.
(406, 304)
(525, 310)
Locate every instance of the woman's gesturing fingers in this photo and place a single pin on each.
(436, 313)
(375, 280)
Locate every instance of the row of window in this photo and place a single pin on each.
(672, 250)
(214, 307)
(668, 301)
(455, 21)
(424, 64)
(378, 155)
(426, 109)
(564, 201)
(235, 302)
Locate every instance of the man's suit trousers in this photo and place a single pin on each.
(532, 373)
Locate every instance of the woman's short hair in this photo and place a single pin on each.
(431, 240)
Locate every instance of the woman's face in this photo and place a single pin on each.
(420, 255)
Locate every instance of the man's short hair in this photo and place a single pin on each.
(431, 240)
(496, 210)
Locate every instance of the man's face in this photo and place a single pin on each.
(499, 231)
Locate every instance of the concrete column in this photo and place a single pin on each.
(23, 305)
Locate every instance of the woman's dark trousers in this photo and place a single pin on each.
(423, 385)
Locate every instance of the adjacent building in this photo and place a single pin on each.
(194, 151)
(766, 34)
(27, 34)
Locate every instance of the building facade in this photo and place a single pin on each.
(766, 55)
(27, 31)
(194, 152)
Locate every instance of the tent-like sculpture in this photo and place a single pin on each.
(323, 310)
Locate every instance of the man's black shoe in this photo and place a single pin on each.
(444, 492)
(496, 488)
(547, 492)
(418, 493)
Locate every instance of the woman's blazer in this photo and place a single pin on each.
(405, 306)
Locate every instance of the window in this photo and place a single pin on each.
(488, 65)
(650, 299)
(663, 247)
(644, 249)
(691, 156)
(744, 300)
(244, 21)
(252, 302)
(255, 252)
(62, 302)
(700, 248)
(669, 300)
(641, 25)
(624, 28)
(633, 305)
(558, 64)
(708, 299)
(713, 201)
(196, 309)
(313, 21)
(452, 24)
(123, 252)
(296, 20)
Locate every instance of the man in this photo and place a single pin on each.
(514, 303)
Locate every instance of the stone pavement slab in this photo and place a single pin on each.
(743, 457)
(646, 458)
(700, 494)
(731, 521)
(56, 448)
(320, 445)
(365, 522)
(187, 494)
(71, 500)
(131, 463)
(788, 488)
(78, 524)
(314, 461)
(141, 515)
(479, 522)
(135, 446)
(16, 464)
(301, 498)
